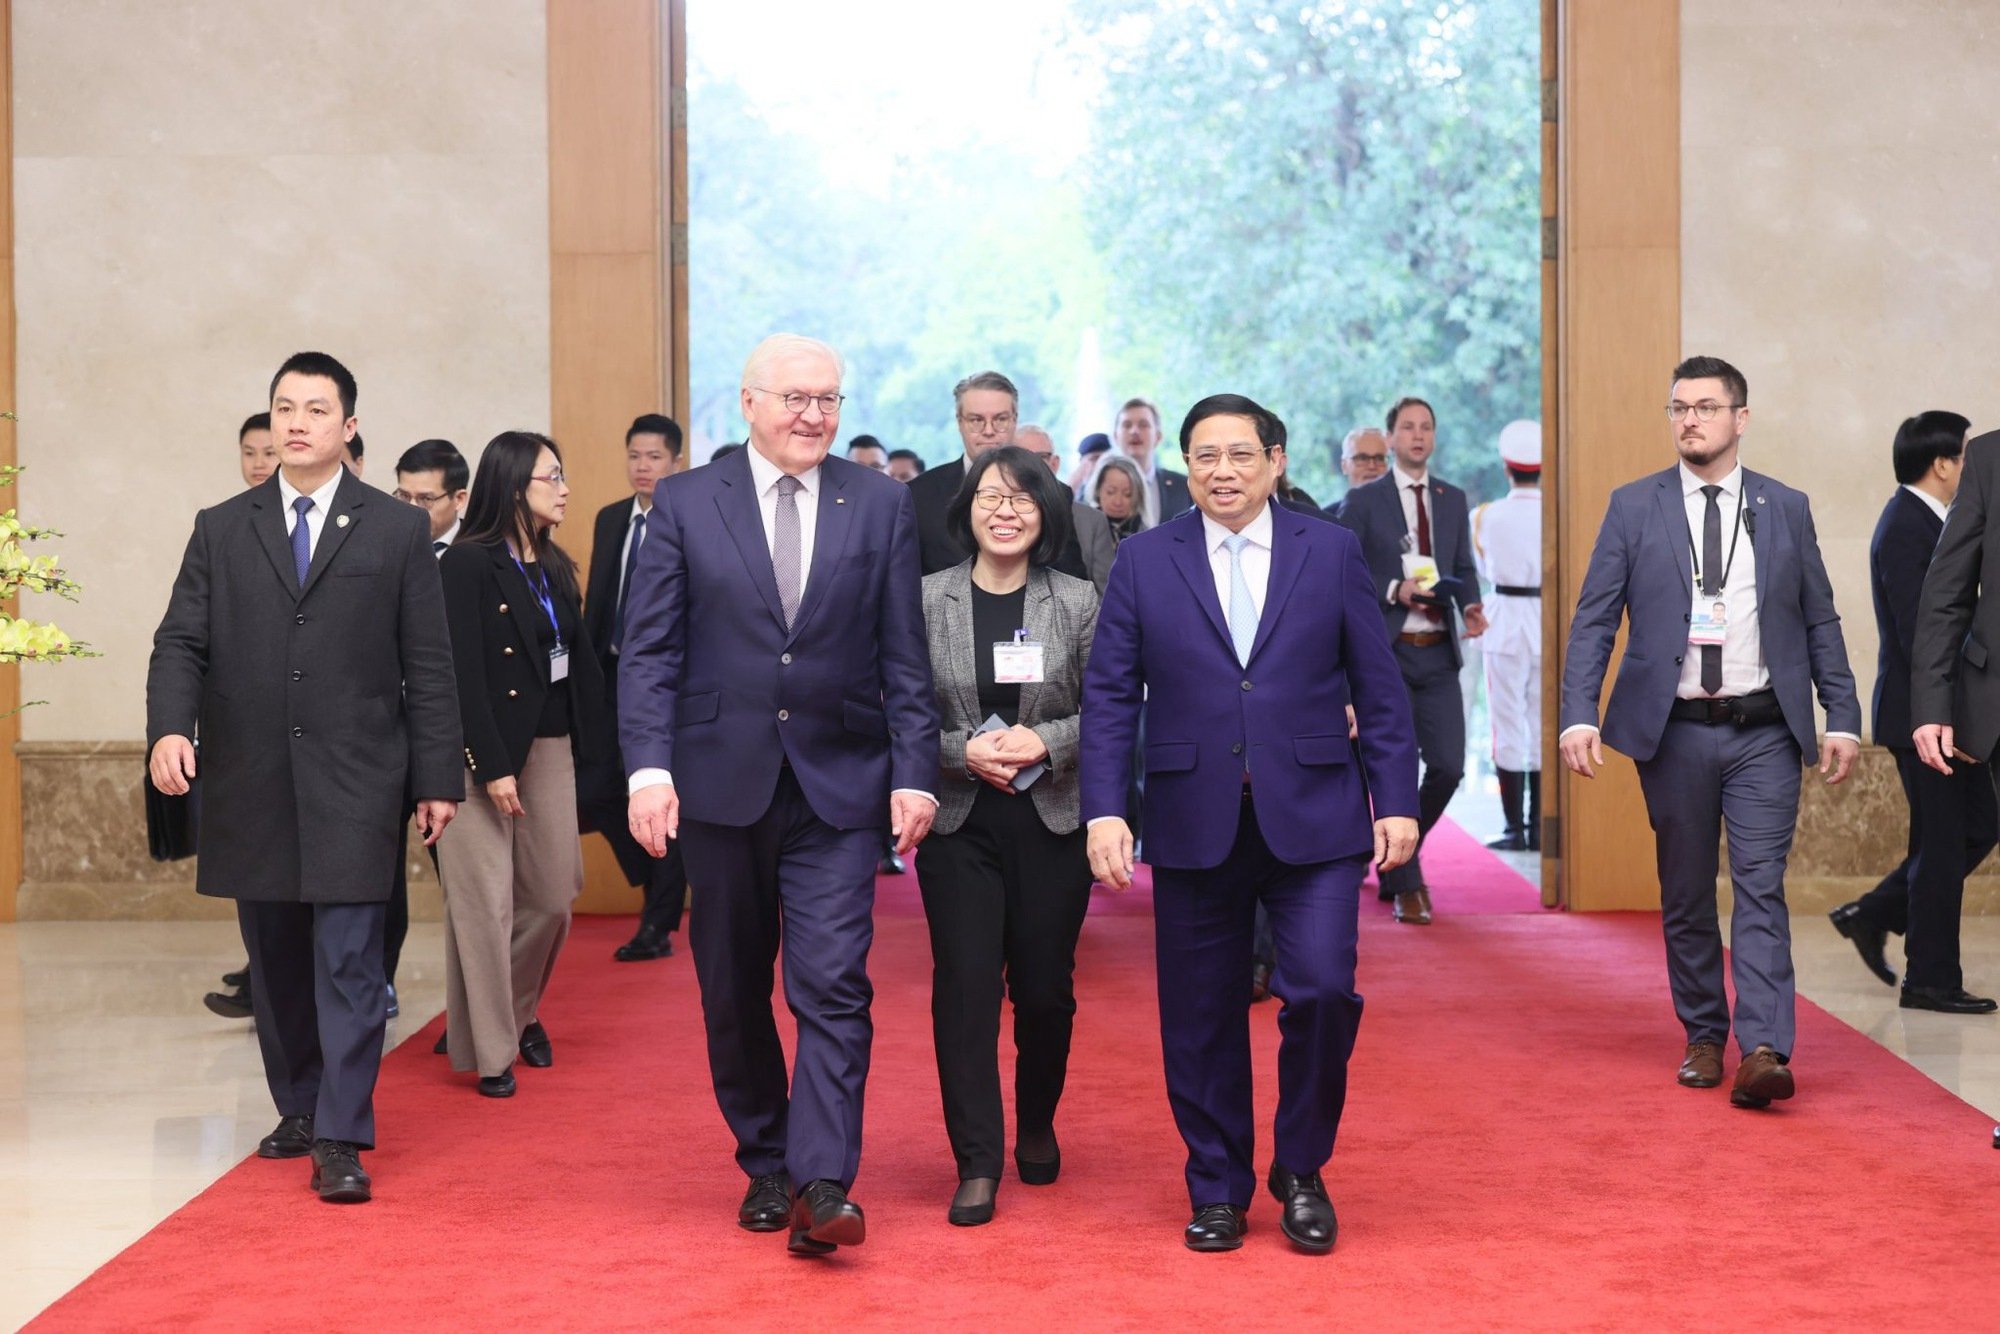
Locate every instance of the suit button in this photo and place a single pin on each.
(298, 675)
(300, 620)
(503, 609)
(1677, 662)
(784, 715)
(298, 731)
(1688, 617)
(785, 660)
(513, 694)
(1246, 685)
(1236, 749)
(506, 652)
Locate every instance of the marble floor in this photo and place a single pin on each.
(121, 1097)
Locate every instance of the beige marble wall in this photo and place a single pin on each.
(202, 189)
(1838, 203)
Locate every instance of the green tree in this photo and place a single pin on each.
(1324, 205)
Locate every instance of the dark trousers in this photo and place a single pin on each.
(1005, 899)
(1203, 922)
(662, 881)
(316, 970)
(794, 875)
(1705, 780)
(1438, 710)
(1953, 825)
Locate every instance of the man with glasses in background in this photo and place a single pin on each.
(1364, 455)
(1731, 628)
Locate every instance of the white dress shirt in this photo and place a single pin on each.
(316, 516)
(1422, 619)
(438, 544)
(1149, 497)
(1256, 559)
(764, 474)
(1938, 507)
(635, 535)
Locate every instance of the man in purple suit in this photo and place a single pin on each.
(1256, 624)
(775, 657)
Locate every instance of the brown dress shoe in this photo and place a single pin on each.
(1414, 906)
(1762, 1079)
(1701, 1068)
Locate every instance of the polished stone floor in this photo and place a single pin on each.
(121, 1097)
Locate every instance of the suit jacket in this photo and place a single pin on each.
(1168, 654)
(932, 491)
(1373, 512)
(600, 590)
(1061, 615)
(1953, 678)
(314, 705)
(1096, 541)
(1174, 498)
(712, 686)
(1898, 555)
(503, 670)
(1639, 570)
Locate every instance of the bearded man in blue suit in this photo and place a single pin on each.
(775, 659)
(1239, 630)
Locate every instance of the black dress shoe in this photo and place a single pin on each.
(1216, 1227)
(647, 943)
(1511, 841)
(1044, 1164)
(823, 1216)
(497, 1086)
(1956, 1000)
(230, 1004)
(237, 980)
(337, 1174)
(393, 1008)
(1260, 982)
(1305, 1214)
(1867, 937)
(439, 1046)
(535, 1048)
(292, 1139)
(972, 1203)
(767, 1205)
(890, 864)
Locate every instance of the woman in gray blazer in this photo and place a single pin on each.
(1004, 874)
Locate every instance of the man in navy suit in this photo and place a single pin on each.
(775, 649)
(1136, 433)
(1716, 710)
(1237, 632)
(1406, 519)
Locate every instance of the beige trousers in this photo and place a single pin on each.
(509, 882)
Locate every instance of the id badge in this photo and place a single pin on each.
(558, 665)
(1422, 570)
(1709, 625)
(1018, 663)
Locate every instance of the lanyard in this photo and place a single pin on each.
(1735, 532)
(539, 586)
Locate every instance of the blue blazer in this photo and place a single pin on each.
(1373, 512)
(1640, 570)
(711, 685)
(1163, 647)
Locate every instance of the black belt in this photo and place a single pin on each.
(1752, 710)
(1514, 591)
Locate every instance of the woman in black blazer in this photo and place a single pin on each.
(1004, 873)
(531, 698)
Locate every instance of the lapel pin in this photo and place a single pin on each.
(340, 522)
(840, 500)
(1760, 500)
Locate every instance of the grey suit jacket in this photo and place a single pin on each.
(1094, 537)
(1061, 615)
(1640, 572)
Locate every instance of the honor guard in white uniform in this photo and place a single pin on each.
(1507, 538)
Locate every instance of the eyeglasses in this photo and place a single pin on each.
(425, 499)
(795, 401)
(553, 479)
(999, 421)
(1240, 456)
(1703, 411)
(991, 500)
(1370, 459)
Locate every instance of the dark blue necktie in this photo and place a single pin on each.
(625, 585)
(302, 550)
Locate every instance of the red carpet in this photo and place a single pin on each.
(1515, 1155)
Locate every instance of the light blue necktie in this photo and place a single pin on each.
(302, 552)
(1242, 611)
